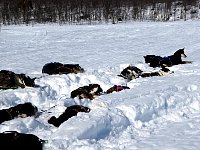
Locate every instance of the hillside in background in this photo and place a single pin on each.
(96, 11)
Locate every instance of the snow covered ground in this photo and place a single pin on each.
(156, 113)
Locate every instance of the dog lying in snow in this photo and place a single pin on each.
(175, 59)
(89, 92)
(132, 72)
(11, 80)
(20, 110)
(116, 88)
(12, 140)
(69, 112)
(59, 68)
(163, 71)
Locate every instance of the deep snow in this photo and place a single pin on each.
(156, 113)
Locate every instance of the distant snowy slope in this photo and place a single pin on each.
(155, 113)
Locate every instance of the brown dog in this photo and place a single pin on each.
(59, 68)
(88, 92)
(11, 80)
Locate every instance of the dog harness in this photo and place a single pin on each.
(120, 88)
(166, 60)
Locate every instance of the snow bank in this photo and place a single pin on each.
(142, 117)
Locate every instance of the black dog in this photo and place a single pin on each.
(116, 88)
(132, 72)
(20, 110)
(175, 59)
(59, 68)
(12, 140)
(89, 92)
(69, 112)
(11, 80)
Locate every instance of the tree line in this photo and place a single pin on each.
(95, 11)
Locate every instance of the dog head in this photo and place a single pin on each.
(164, 71)
(53, 120)
(77, 69)
(95, 89)
(26, 110)
(22, 80)
(85, 109)
(181, 53)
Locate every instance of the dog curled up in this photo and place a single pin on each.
(116, 88)
(11, 80)
(20, 110)
(69, 112)
(59, 68)
(12, 140)
(175, 59)
(132, 72)
(89, 92)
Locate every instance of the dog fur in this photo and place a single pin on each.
(11, 140)
(69, 112)
(11, 80)
(20, 110)
(59, 68)
(132, 72)
(175, 59)
(116, 88)
(89, 92)
(162, 72)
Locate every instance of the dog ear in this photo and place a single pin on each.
(182, 49)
